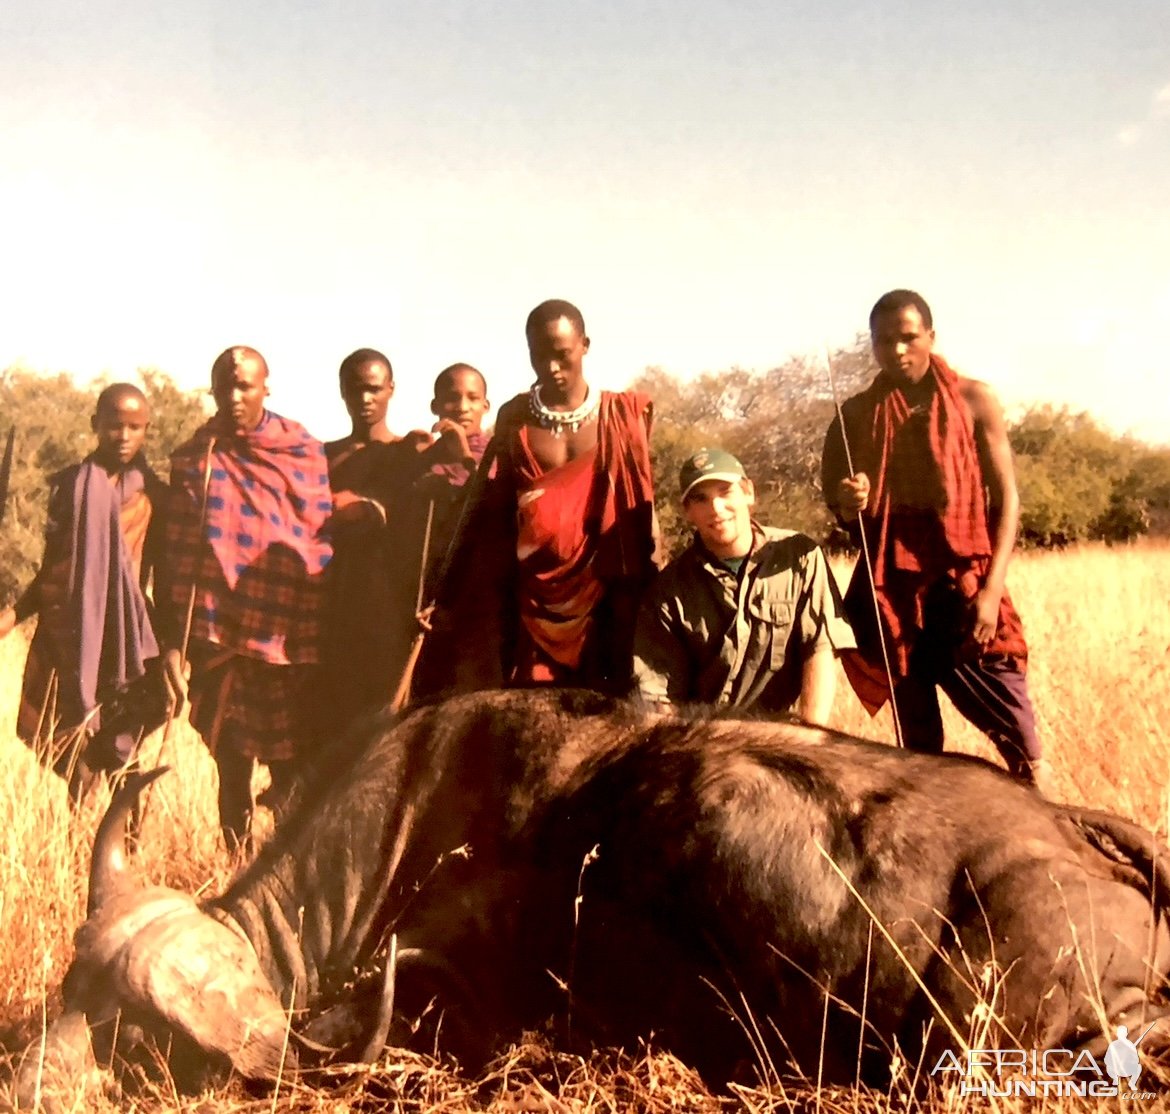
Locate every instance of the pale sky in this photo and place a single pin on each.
(713, 183)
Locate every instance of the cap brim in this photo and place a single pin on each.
(727, 477)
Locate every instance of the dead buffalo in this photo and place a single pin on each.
(754, 885)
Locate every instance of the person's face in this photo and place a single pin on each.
(557, 351)
(462, 399)
(239, 393)
(721, 513)
(367, 391)
(902, 345)
(121, 426)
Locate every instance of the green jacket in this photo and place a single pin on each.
(708, 635)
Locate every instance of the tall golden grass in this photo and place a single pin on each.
(1098, 621)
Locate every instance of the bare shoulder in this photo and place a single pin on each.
(982, 401)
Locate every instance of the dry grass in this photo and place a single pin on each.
(1099, 625)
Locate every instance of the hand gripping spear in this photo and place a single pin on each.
(865, 556)
(402, 690)
(474, 486)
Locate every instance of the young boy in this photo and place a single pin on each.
(460, 403)
(92, 687)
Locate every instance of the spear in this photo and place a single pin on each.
(865, 556)
(473, 490)
(173, 705)
(6, 471)
(402, 689)
(195, 571)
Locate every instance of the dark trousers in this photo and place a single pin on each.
(992, 694)
(236, 803)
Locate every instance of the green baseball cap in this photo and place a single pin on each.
(708, 464)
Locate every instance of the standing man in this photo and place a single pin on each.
(572, 511)
(747, 616)
(250, 494)
(374, 574)
(933, 487)
(382, 532)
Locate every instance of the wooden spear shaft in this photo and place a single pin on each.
(865, 556)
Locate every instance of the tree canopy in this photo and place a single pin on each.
(773, 421)
(1078, 482)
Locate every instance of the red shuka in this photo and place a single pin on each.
(582, 528)
(927, 519)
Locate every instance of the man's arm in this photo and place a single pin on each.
(450, 446)
(818, 684)
(27, 604)
(824, 633)
(999, 475)
(164, 618)
(845, 495)
(661, 666)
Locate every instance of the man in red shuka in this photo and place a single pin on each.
(934, 490)
(571, 509)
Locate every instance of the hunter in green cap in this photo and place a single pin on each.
(748, 615)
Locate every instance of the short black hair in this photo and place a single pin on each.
(115, 392)
(362, 356)
(896, 301)
(448, 372)
(552, 310)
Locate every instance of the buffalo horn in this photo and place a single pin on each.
(108, 865)
(385, 1017)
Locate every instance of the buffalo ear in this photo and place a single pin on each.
(204, 979)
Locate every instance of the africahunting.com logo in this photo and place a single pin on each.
(1056, 1072)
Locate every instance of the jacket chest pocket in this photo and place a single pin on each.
(772, 623)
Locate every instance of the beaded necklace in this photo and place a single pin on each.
(557, 421)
